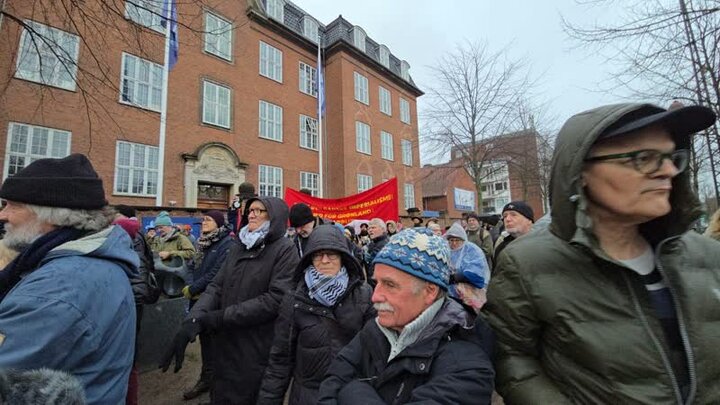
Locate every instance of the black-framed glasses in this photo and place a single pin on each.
(256, 211)
(649, 161)
(317, 256)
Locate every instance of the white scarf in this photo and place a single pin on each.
(250, 238)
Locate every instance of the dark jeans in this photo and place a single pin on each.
(208, 366)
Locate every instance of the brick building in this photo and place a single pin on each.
(448, 189)
(242, 100)
(511, 171)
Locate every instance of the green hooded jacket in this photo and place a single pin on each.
(576, 326)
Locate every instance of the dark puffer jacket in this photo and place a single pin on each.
(576, 326)
(446, 365)
(308, 335)
(248, 289)
(213, 258)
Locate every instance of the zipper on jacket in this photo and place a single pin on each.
(681, 325)
(658, 344)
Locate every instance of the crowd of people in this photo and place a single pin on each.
(612, 297)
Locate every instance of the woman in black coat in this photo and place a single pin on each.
(330, 304)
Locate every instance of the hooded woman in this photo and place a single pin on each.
(471, 271)
(241, 303)
(392, 228)
(329, 305)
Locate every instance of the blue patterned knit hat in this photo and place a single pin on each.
(418, 252)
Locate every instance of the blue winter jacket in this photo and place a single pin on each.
(76, 313)
(469, 260)
(210, 264)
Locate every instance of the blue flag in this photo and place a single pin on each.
(320, 83)
(170, 14)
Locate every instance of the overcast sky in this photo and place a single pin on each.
(420, 31)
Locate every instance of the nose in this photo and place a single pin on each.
(377, 295)
(667, 169)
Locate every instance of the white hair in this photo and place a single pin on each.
(89, 220)
(419, 284)
(379, 223)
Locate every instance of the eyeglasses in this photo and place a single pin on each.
(256, 211)
(455, 240)
(649, 161)
(317, 256)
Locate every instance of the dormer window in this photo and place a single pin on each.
(405, 70)
(359, 38)
(384, 54)
(276, 10)
(310, 29)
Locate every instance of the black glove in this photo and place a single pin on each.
(187, 333)
(211, 321)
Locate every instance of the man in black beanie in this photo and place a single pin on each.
(518, 218)
(303, 220)
(65, 301)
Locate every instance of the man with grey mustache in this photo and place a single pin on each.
(422, 347)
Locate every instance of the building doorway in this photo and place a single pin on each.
(212, 196)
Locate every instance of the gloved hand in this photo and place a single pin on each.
(212, 320)
(187, 333)
(186, 292)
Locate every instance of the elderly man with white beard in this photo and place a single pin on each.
(65, 300)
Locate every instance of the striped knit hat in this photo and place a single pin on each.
(420, 253)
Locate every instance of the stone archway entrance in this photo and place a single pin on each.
(212, 174)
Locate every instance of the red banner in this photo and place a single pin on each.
(380, 201)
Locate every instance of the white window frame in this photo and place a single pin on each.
(148, 14)
(270, 121)
(384, 56)
(308, 79)
(385, 100)
(361, 88)
(359, 37)
(152, 83)
(404, 111)
(218, 38)
(49, 56)
(28, 152)
(363, 142)
(276, 10)
(149, 169)
(386, 146)
(406, 149)
(364, 182)
(271, 62)
(310, 181)
(409, 195)
(270, 181)
(311, 29)
(308, 132)
(215, 117)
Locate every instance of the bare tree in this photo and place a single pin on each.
(472, 104)
(664, 50)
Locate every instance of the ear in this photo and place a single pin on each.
(431, 292)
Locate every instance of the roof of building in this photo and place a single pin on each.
(339, 30)
(435, 178)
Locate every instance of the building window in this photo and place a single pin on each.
(362, 137)
(386, 146)
(270, 181)
(276, 10)
(384, 55)
(308, 79)
(141, 82)
(409, 195)
(271, 117)
(385, 101)
(310, 181)
(270, 62)
(359, 37)
(483, 188)
(405, 70)
(218, 36)
(136, 169)
(148, 13)
(311, 29)
(501, 186)
(361, 88)
(48, 56)
(28, 143)
(364, 182)
(308, 132)
(216, 104)
(406, 147)
(404, 111)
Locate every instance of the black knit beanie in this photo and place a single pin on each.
(522, 208)
(70, 182)
(217, 216)
(300, 214)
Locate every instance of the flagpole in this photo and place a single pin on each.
(163, 109)
(321, 97)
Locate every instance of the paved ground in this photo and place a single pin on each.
(158, 388)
